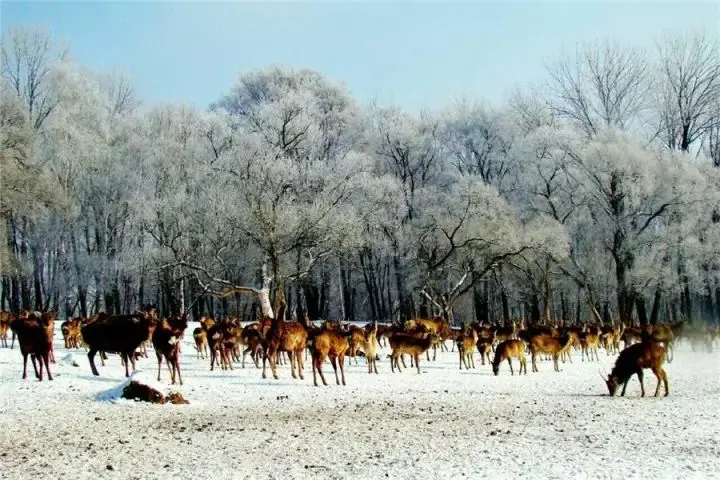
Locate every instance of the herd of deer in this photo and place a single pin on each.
(273, 339)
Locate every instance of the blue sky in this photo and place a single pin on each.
(412, 53)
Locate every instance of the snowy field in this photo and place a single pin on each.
(444, 423)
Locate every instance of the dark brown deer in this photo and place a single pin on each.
(121, 334)
(32, 334)
(647, 354)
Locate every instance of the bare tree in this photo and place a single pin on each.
(26, 63)
(603, 86)
(689, 88)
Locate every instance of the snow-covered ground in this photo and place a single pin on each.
(444, 423)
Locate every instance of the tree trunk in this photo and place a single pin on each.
(642, 313)
(655, 311)
(535, 309)
(505, 306)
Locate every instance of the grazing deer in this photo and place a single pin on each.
(508, 349)
(632, 360)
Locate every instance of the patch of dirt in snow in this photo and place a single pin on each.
(444, 423)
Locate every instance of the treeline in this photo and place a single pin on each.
(593, 196)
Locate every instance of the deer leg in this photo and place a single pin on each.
(333, 361)
(534, 364)
(24, 366)
(314, 369)
(394, 362)
(39, 370)
(35, 359)
(47, 367)
(320, 362)
(245, 352)
(462, 358)
(91, 358)
(228, 358)
(293, 374)
(472, 358)
(640, 377)
(265, 359)
(511, 369)
(555, 363)
(273, 363)
(417, 362)
(158, 353)
(176, 363)
(341, 361)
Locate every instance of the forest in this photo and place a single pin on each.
(594, 196)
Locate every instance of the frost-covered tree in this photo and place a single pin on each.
(282, 156)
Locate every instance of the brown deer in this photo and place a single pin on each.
(5, 319)
(632, 360)
(166, 342)
(370, 347)
(290, 337)
(200, 337)
(508, 349)
(330, 342)
(663, 334)
(402, 343)
(221, 338)
(466, 345)
(357, 341)
(589, 342)
(252, 340)
(546, 344)
(438, 326)
(484, 347)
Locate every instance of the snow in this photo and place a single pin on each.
(444, 423)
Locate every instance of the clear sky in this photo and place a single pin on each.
(412, 53)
